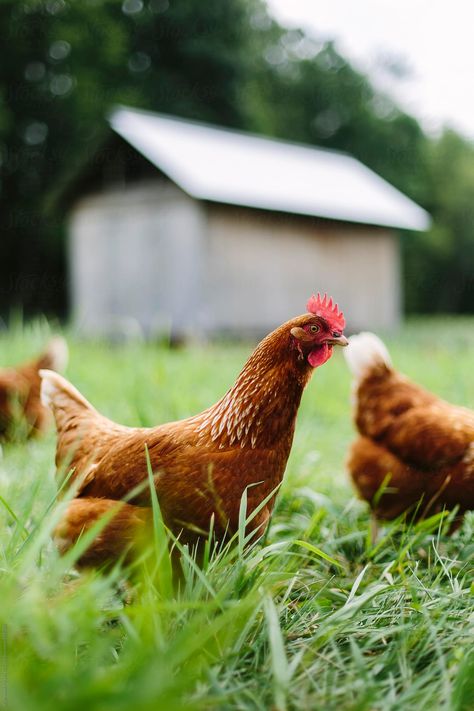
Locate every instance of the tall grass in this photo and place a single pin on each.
(313, 617)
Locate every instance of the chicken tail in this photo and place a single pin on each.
(366, 351)
(56, 355)
(62, 398)
(83, 434)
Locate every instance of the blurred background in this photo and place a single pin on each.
(387, 85)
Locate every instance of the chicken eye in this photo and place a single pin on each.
(314, 328)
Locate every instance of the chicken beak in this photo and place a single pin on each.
(338, 341)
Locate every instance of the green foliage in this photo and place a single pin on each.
(313, 617)
(440, 263)
(53, 101)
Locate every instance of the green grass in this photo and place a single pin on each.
(313, 617)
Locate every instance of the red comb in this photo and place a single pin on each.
(329, 311)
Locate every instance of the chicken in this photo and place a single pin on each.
(415, 452)
(21, 410)
(202, 465)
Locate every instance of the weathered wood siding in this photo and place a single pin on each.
(263, 266)
(136, 259)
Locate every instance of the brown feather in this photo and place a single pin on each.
(20, 403)
(419, 445)
(202, 465)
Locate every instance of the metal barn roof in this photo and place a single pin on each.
(231, 167)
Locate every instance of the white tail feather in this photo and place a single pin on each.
(57, 353)
(364, 351)
(54, 388)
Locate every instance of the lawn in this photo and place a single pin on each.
(313, 617)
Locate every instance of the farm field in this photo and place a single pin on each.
(315, 616)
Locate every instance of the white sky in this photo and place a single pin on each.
(434, 38)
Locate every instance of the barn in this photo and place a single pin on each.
(197, 230)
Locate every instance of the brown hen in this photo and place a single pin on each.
(202, 465)
(21, 409)
(416, 451)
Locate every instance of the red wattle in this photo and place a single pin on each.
(319, 355)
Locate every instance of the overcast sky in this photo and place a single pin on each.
(434, 39)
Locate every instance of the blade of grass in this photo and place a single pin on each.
(318, 552)
(164, 568)
(279, 661)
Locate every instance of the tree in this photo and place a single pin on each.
(440, 263)
(53, 99)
